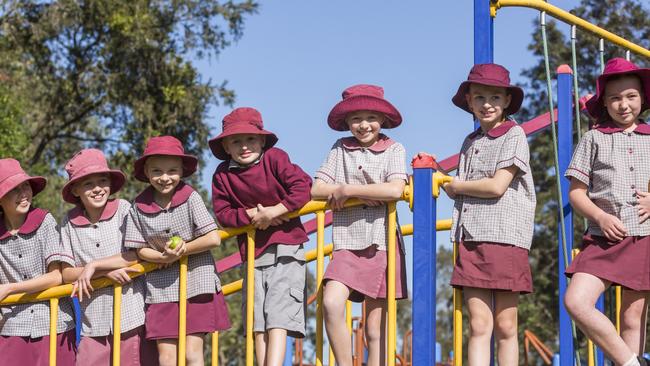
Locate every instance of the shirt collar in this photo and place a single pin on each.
(498, 131)
(78, 218)
(146, 203)
(232, 164)
(609, 127)
(383, 143)
(33, 221)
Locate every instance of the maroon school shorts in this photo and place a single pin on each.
(492, 266)
(625, 263)
(36, 351)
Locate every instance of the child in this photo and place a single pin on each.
(493, 213)
(30, 256)
(609, 176)
(169, 207)
(280, 187)
(93, 234)
(372, 167)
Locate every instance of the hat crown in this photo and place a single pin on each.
(84, 159)
(164, 145)
(364, 90)
(619, 64)
(10, 167)
(241, 116)
(493, 72)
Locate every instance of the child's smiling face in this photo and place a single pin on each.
(365, 126)
(18, 200)
(93, 190)
(488, 103)
(623, 100)
(164, 172)
(244, 148)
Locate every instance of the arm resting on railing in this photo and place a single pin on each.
(493, 187)
(337, 194)
(50, 279)
(116, 267)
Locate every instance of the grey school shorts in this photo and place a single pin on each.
(280, 297)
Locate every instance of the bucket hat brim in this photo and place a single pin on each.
(515, 92)
(118, 178)
(190, 164)
(37, 183)
(216, 144)
(355, 103)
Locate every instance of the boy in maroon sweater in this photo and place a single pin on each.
(257, 184)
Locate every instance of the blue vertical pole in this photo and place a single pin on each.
(424, 264)
(565, 150)
(600, 305)
(288, 353)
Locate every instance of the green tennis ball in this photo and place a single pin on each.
(175, 240)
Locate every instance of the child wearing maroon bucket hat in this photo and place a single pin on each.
(30, 261)
(168, 221)
(493, 214)
(372, 167)
(609, 175)
(93, 234)
(280, 187)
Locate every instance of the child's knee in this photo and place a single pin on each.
(631, 318)
(480, 325)
(574, 304)
(506, 327)
(333, 305)
(166, 357)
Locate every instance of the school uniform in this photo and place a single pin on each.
(280, 286)
(495, 234)
(85, 242)
(24, 328)
(149, 225)
(359, 233)
(614, 164)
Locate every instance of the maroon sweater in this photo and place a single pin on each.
(273, 180)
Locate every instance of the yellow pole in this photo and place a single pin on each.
(182, 312)
(117, 329)
(618, 308)
(320, 266)
(458, 320)
(54, 313)
(348, 315)
(590, 353)
(215, 348)
(392, 306)
(250, 296)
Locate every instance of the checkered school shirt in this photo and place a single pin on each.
(357, 228)
(507, 219)
(614, 164)
(148, 225)
(86, 242)
(24, 256)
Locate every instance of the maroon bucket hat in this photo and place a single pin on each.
(363, 97)
(239, 121)
(85, 163)
(12, 175)
(168, 146)
(614, 68)
(490, 75)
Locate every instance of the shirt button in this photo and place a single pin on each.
(25, 276)
(97, 245)
(632, 186)
(20, 255)
(476, 151)
(360, 167)
(631, 168)
(167, 231)
(629, 150)
(364, 207)
(95, 226)
(31, 311)
(465, 210)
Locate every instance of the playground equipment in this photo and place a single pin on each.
(421, 194)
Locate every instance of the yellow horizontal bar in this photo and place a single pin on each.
(569, 18)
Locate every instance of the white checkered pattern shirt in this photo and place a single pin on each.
(508, 219)
(87, 242)
(614, 164)
(24, 256)
(357, 228)
(189, 219)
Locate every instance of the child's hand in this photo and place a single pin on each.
(264, 217)
(5, 291)
(170, 255)
(451, 188)
(251, 212)
(82, 285)
(337, 198)
(280, 220)
(121, 275)
(643, 199)
(611, 226)
(422, 155)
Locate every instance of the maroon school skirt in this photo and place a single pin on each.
(492, 266)
(206, 313)
(364, 272)
(135, 350)
(36, 351)
(625, 263)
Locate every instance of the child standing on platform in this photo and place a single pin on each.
(493, 214)
(372, 167)
(169, 207)
(609, 176)
(30, 261)
(93, 234)
(257, 184)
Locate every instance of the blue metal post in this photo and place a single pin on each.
(77, 319)
(600, 357)
(288, 354)
(565, 150)
(424, 264)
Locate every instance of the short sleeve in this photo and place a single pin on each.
(396, 163)
(514, 151)
(582, 160)
(202, 221)
(66, 241)
(327, 171)
(133, 237)
(50, 238)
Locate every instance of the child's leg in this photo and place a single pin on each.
(167, 351)
(580, 302)
(335, 295)
(376, 331)
(194, 349)
(634, 306)
(479, 307)
(277, 345)
(261, 341)
(505, 327)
